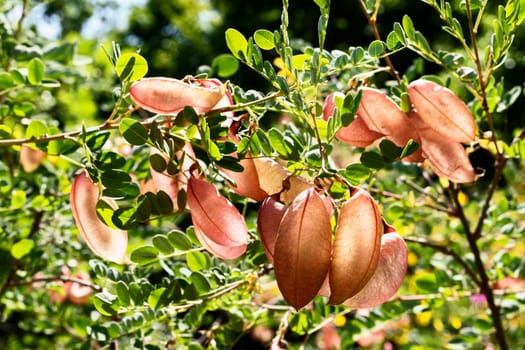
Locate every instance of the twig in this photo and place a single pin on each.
(372, 21)
(447, 251)
(84, 283)
(484, 282)
(399, 197)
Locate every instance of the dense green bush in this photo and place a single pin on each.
(116, 204)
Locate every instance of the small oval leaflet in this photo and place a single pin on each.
(131, 67)
(264, 39)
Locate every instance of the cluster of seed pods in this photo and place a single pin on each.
(218, 225)
(439, 121)
(360, 262)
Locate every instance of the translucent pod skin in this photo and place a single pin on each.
(106, 242)
(356, 246)
(217, 222)
(172, 184)
(442, 111)
(169, 96)
(269, 218)
(388, 276)
(302, 248)
(246, 181)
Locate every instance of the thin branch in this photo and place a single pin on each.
(479, 68)
(372, 21)
(64, 279)
(447, 251)
(445, 206)
(500, 166)
(484, 285)
(418, 204)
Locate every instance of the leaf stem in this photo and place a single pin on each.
(481, 76)
(372, 21)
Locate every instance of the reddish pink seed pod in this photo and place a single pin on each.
(108, 243)
(269, 218)
(442, 111)
(388, 275)
(214, 216)
(246, 181)
(221, 251)
(170, 96)
(77, 293)
(302, 248)
(356, 246)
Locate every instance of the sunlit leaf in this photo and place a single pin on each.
(264, 39)
(225, 65)
(35, 71)
(237, 43)
(131, 66)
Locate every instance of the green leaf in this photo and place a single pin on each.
(376, 48)
(18, 199)
(398, 29)
(409, 148)
(225, 65)
(213, 150)
(230, 163)
(321, 3)
(131, 67)
(6, 81)
(389, 150)
(144, 255)
(105, 303)
(179, 240)
(162, 243)
(156, 298)
(408, 26)
(123, 293)
(36, 129)
(237, 43)
(201, 283)
(264, 39)
(164, 203)
(426, 283)
(278, 144)
(157, 162)
(197, 261)
(133, 131)
(22, 248)
(422, 42)
(105, 212)
(283, 85)
(357, 172)
(301, 322)
(372, 160)
(35, 71)
(357, 54)
(392, 41)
